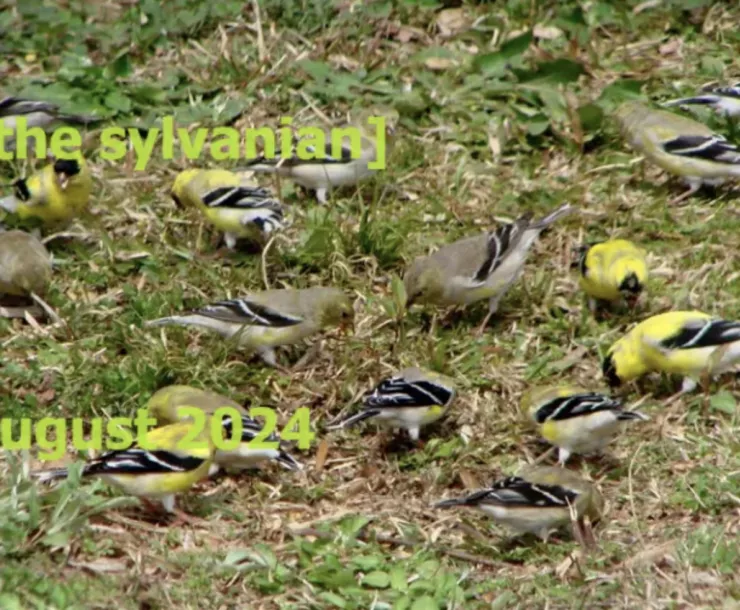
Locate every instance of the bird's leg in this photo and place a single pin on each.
(563, 455)
(414, 436)
(182, 518)
(688, 385)
(492, 308)
(230, 240)
(268, 355)
(694, 185)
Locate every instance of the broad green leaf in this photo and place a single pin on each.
(118, 101)
(425, 603)
(10, 601)
(621, 90)
(236, 556)
(538, 127)
(591, 116)
(377, 579)
(333, 598)
(120, 66)
(399, 580)
(558, 71)
(318, 70)
(366, 563)
(723, 401)
(496, 62)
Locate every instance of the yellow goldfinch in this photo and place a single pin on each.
(409, 400)
(688, 343)
(232, 206)
(679, 145)
(476, 268)
(723, 100)
(37, 114)
(264, 320)
(327, 172)
(165, 468)
(174, 403)
(55, 195)
(575, 420)
(612, 270)
(25, 264)
(537, 501)
(246, 455)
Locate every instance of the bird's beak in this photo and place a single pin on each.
(63, 180)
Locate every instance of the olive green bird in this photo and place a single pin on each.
(475, 268)
(262, 321)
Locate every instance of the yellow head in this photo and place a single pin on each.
(631, 112)
(423, 283)
(178, 192)
(68, 171)
(335, 308)
(624, 361)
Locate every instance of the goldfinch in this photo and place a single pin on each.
(174, 403)
(409, 400)
(170, 464)
(612, 270)
(575, 420)
(679, 145)
(228, 203)
(246, 454)
(55, 195)
(723, 100)
(37, 114)
(327, 171)
(264, 320)
(688, 343)
(476, 268)
(538, 501)
(25, 265)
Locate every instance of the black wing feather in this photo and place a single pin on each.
(138, 461)
(500, 243)
(398, 392)
(708, 334)
(248, 312)
(566, 407)
(711, 148)
(238, 197)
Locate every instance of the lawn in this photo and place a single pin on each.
(505, 108)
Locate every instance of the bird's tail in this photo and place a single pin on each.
(80, 119)
(703, 100)
(49, 476)
(9, 204)
(288, 461)
(353, 419)
(186, 320)
(545, 222)
(261, 165)
(631, 415)
(266, 218)
(450, 503)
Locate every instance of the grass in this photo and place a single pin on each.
(505, 109)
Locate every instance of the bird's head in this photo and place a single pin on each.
(631, 288)
(609, 370)
(423, 284)
(65, 170)
(178, 188)
(337, 309)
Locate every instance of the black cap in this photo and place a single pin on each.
(70, 167)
